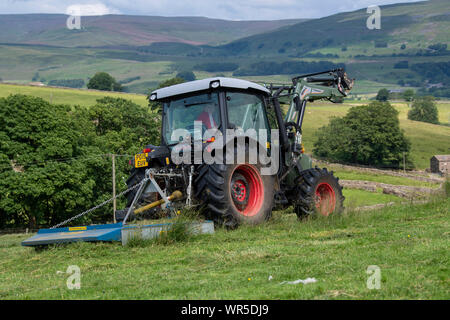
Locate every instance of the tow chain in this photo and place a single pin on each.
(99, 205)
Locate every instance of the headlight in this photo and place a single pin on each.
(153, 97)
(215, 84)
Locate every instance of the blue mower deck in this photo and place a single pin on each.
(101, 232)
(109, 232)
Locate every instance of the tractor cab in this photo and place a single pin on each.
(218, 103)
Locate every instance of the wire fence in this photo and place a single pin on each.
(69, 159)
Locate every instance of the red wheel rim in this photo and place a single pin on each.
(325, 199)
(239, 190)
(252, 189)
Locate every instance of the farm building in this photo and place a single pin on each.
(440, 164)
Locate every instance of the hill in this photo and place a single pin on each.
(410, 50)
(124, 30)
(416, 25)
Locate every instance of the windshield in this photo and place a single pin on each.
(181, 114)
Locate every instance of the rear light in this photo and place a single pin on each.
(212, 139)
(129, 162)
(146, 150)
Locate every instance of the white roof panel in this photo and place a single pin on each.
(198, 85)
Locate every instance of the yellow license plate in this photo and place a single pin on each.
(140, 160)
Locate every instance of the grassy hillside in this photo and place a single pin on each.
(408, 243)
(119, 30)
(68, 96)
(415, 24)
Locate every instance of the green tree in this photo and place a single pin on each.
(368, 135)
(35, 77)
(424, 109)
(408, 95)
(104, 81)
(186, 75)
(52, 163)
(382, 95)
(39, 186)
(171, 82)
(130, 125)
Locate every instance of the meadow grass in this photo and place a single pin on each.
(357, 198)
(69, 96)
(348, 174)
(409, 244)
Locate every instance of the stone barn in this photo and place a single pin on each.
(440, 164)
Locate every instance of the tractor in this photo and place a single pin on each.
(234, 192)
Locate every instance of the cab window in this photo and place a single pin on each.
(246, 111)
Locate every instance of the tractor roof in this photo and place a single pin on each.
(205, 84)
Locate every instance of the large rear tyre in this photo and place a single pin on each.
(319, 193)
(235, 194)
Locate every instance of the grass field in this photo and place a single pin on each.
(355, 174)
(358, 198)
(408, 243)
(68, 96)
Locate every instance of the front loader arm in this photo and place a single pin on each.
(330, 85)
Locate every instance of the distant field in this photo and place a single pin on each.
(20, 64)
(68, 96)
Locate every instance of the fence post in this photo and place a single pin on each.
(404, 163)
(113, 156)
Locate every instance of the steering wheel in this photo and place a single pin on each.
(192, 128)
(235, 127)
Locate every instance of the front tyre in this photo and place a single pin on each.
(319, 192)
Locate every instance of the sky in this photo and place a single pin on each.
(222, 9)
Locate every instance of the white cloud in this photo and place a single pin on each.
(229, 9)
(85, 7)
(95, 9)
